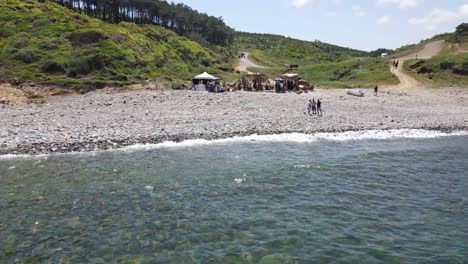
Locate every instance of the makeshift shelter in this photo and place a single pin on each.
(254, 81)
(204, 80)
(287, 82)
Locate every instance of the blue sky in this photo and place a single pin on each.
(365, 24)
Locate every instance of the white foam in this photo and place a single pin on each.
(300, 138)
(294, 138)
(22, 156)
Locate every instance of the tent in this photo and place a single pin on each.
(206, 76)
(205, 82)
(290, 76)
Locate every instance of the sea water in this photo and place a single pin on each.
(363, 197)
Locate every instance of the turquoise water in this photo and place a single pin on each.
(364, 201)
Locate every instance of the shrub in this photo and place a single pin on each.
(119, 38)
(86, 38)
(5, 33)
(52, 67)
(416, 65)
(120, 78)
(447, 65)
(426, 68)
(461, 69)
(19, 41)
(26, 56)
(86, 65)
(46, 45)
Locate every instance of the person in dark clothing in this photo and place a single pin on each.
(319, 107)
(376, 90)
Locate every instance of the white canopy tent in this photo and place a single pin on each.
(201, 81)
(206, 76)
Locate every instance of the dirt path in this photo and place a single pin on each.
(245, 63)
(408, 83)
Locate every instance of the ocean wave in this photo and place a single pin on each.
(299, 138)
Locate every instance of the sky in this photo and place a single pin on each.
(365, 24)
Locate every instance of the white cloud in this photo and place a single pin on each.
(384, 20)
(438, 17)
(357, 11)
(302, 3)
(403, 4)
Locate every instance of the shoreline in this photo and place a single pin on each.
(101, 121)
(37, 149)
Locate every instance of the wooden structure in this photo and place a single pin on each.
(254, 82)
(291, 82)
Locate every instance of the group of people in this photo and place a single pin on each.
(396, 63)
(315, 107)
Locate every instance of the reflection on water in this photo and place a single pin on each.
(400, 200)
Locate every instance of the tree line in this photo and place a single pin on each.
(177, 17)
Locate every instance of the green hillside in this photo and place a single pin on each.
(273, 50)
(320, 63)
(48, 43)
(450, 67)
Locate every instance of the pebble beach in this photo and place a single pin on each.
(101, 121)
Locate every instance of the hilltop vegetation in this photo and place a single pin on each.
(274, 50)
(177, 17)
(48, 43)
(450, 67)
(320, 63)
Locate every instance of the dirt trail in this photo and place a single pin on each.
(408, 83)
(245, 63)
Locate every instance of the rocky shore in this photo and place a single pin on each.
(98, 120)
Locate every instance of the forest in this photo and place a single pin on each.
(180, 18)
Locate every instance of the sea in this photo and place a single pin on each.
(398, 196)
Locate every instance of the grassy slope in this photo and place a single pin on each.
(320, 63)
(443, 70)
(48, 43)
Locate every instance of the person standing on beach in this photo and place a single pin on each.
(309, 107)
(376, 90)
(314, 107)
(319, 107)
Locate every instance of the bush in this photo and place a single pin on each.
(19, 41)
(120, 78)
(26, 56)
(427, 68)
(416, 65)
(86, 38)
(461, 69)
(52, 67)
(447, 65)
(86, 65)
(5, 33)
(46, 45)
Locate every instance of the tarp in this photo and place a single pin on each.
(205, 76)
(200, 87)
